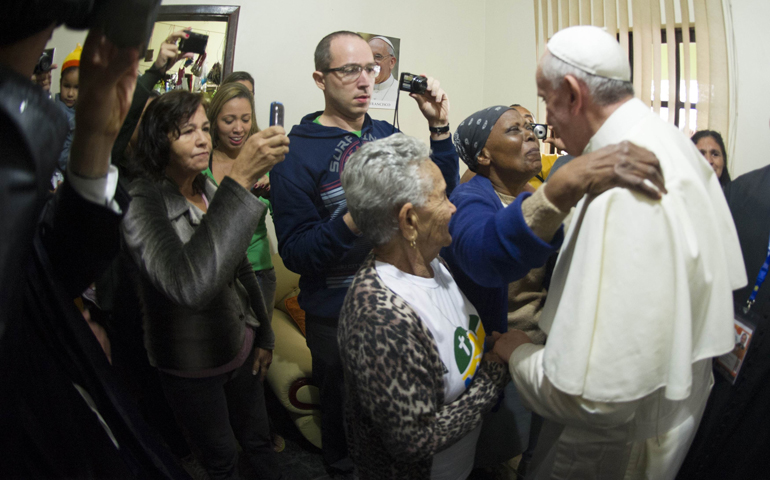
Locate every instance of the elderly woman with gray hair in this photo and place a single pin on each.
(416, 376)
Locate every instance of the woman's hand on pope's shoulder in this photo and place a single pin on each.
(261, 152)
(622, 165)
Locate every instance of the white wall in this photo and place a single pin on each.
(752, 51)
(276, 41)
(509, 54)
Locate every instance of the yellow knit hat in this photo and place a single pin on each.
(73, 59)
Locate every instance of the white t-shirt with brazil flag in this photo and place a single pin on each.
(459, 336)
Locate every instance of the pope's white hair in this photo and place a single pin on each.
(389, 45)
(380, 178)
(605, 91)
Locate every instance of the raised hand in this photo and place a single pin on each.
(107, 81)
(169, 54)
(261, 152)
(434, 104)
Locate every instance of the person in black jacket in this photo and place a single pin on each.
(62, 414)
(734, 435)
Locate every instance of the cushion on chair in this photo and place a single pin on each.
(291, 370)
(296, 313)
(291, 361)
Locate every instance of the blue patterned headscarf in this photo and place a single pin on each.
(472, 133)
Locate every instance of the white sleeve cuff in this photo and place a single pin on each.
(100, 191)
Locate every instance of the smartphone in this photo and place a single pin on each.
(276, 114)
(195, 43)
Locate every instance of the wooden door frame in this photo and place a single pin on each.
(227, 13)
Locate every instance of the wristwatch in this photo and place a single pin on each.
(439, 130)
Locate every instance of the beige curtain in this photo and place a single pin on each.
(645, 20)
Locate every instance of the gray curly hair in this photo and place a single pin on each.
(380, 178)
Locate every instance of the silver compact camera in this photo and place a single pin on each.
(540, 130)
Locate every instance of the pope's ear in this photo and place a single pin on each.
(577, 95)
(320, 81)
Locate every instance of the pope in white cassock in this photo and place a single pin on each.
(385, 85)
(640, 299)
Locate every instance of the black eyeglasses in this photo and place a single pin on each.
(353, 71)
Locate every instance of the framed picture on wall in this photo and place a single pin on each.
(386, 51)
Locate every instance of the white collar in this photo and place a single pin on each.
(617, 124)
(385, 85)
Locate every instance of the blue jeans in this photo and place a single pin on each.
(215, 411)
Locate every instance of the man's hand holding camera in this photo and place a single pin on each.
(169, 54)
(434, 105)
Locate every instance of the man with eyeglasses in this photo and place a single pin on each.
(385, 85)
(317, 237)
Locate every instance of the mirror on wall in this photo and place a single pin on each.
(218, 22)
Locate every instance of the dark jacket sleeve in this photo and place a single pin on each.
(308, 243)
(81, 237)
(494, 246)
(444, 155)
(264, 336)
(144, 86)
(191, 273)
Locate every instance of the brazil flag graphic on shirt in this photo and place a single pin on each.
(469, 348)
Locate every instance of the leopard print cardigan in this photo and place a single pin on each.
(395, 415)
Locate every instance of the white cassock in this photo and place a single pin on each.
(640, 301)
(384, 94)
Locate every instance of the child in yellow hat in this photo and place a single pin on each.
(68, 97)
